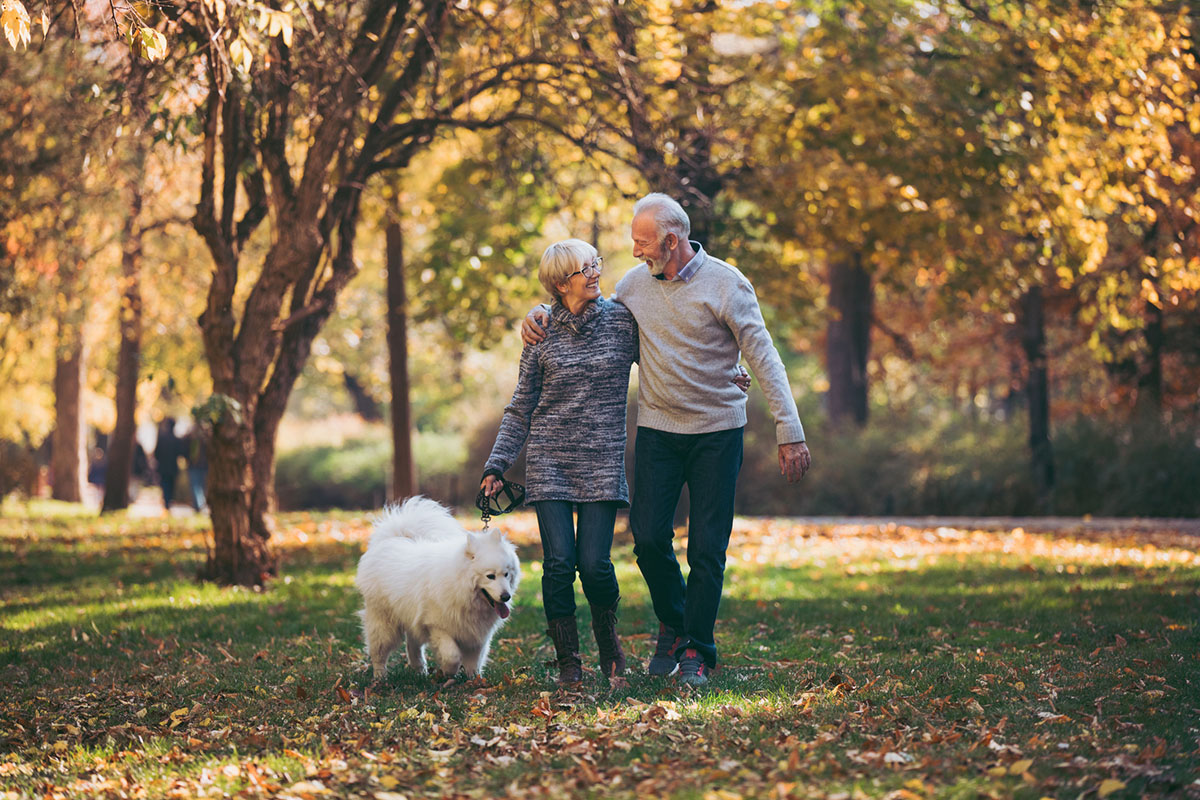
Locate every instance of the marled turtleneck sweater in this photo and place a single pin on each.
(570, 405)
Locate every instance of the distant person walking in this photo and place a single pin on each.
(167, 450)
(197, 464)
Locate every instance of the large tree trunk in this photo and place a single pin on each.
(240, 555)
(851, 297)
(404, 477)
(256, 352)
(68, 462)
(129, 354)
(1037, 382)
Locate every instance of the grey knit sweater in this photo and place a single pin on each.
(692, 334)
(570, 404)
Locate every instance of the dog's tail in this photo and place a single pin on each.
(418, 518)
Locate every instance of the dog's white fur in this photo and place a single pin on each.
(427, 580)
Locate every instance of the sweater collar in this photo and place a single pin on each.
(576, 323)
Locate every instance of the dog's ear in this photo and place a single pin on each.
(470, 545)
(498, 534)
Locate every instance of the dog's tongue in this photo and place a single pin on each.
(502, 610)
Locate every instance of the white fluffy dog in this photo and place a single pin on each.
(427, 580)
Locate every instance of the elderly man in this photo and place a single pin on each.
(696, 315)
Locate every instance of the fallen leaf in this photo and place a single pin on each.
(1110, 785)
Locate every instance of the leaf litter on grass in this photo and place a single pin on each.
(858, 661)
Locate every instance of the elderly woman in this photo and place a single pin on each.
(570, 404)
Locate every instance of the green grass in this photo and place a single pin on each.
(857, 662)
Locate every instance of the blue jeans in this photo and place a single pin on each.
(564, 551)
(709, 464)
(197, 477)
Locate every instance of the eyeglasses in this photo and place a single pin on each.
(589, 270)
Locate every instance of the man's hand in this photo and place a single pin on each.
(533, 327)
(491, 485)
(742, 380)
(794, 460)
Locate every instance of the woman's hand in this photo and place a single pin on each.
(491, 485)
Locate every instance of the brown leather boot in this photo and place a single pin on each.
(604, 626)
(565, 635)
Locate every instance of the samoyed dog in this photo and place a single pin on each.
(426, 580)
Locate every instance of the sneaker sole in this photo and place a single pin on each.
(667, 674)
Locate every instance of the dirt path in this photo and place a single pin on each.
(1029, 524)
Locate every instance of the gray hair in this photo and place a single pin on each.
(560, 260)
(669, 216)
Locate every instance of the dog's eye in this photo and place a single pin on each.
(491, 576)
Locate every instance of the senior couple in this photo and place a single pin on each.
(685, 317)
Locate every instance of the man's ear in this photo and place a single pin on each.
(667, 241)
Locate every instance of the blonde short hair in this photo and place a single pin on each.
(560, 260)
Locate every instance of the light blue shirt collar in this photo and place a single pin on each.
(689, 269)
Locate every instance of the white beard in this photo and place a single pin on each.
(660, 262)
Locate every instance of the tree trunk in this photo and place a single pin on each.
(68, 463)
(129, 355)
(404, 477)
(364, 405)
(262, 469)
(1037, 382)
(241, 555)
(255, 354)
(851, 297)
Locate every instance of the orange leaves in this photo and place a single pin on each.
(14, 19)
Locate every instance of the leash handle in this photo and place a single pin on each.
(514, 494)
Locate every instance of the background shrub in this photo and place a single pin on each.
(910, 465)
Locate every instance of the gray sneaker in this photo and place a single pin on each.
(692, 669)
(663, 662)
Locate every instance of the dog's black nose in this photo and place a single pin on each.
(504, 598)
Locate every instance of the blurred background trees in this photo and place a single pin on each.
(972, 227)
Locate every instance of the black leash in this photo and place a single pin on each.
(513, 496)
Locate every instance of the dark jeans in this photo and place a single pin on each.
(709, 464)
(167, 479)
(564, 551)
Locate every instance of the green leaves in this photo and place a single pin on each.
(148, 43)
(217, 408)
